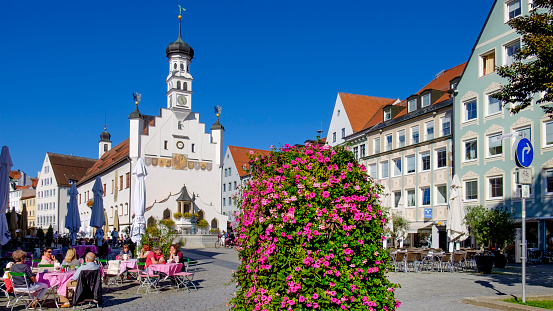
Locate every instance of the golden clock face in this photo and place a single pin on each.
(181, 100)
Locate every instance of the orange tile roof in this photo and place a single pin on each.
(240, 155)
(34, 182)
(15, 174)
(108, 160)
(22, 187)
(442, 82)
(361, 108)
(67, 167)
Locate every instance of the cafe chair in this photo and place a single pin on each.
(45, 268)
(147, 280)
(24, 294)
(187, 277)
(88, 289)
(112, 276)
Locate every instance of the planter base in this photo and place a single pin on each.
(484, 264)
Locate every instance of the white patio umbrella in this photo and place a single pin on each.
(456, 229)
(139, 202)
(385, 201)
(5, 167)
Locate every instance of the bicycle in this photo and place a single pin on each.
(220, 242)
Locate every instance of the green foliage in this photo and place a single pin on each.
(161, 233)
(202, 223)
(531, 73)
(490, 227)
(310, 233)
(187, 215)
(49, 236)
(177, 215)
(40, 234)
(545, 304)
(214, 231)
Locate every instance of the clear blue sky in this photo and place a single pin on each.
(274, 66)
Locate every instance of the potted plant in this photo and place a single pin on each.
(177, 215)
(186, 215)
(493, 228)
(202, 223)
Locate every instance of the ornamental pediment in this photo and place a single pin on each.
(469, 95)
(493, 87)
(495, 170)
(469, 134)
(470, 174)
(494, 128)
(522, 120)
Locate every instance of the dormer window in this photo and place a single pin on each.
(387, 114)
(412, 105)
(425, 99)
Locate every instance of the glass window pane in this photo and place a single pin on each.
(470, 110)
(549, 133)
(415, 134)
(412, 105)
(442, 194)
(401, 139)
(446, 126)
(470, 150)
(397, 196)
(426, 196)
(385, 169)
(494, 105)
(411, 197)
(471, 190)
(429, 130)
(410, 164)
(425, 100)
(425, 161)
(377, 145)
(442, 158)
(397, 167)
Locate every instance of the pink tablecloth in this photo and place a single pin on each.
(83, 249)
(169, 268)
(127, 265)
(56, 278)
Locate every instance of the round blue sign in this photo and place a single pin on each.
(524, 153)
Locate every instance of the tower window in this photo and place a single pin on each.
(193, 147)
(165, 145)
(179, 125)
(182, 66)
(105, 147)
(175, 65)
(185, 86)
(178, 84)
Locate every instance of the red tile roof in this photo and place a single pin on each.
(22, 187)
(361, 108)
(442, 82)
(15, 174)
(240, 155)
(108, 160)
(34, 182)
(67, 167)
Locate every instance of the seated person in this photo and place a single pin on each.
(19, 266)
(71, 258)
(175, 255)
(125, 251)
(90, 259)
(145, 251)
(155, 257)
(103, 250)
(47, 258)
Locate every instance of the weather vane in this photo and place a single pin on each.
(218, 110)
(136, 97)
(181, 9)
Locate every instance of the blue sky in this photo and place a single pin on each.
(274, 66)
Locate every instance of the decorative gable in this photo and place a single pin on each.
(493, 87)
(494, 128)
(469, 134)
(469, 95)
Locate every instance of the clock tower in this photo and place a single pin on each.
(179, 80)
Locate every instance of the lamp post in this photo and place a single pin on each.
(193, 221)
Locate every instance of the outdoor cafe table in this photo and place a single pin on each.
(168, 269)
(59, 279)
(127, 265)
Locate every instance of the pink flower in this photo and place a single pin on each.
(315, 296)
(298, 269)
(325, 194)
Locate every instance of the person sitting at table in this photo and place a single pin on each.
(71, 258)
(125, 251)
(155, 257)
(47, 257)
(19, 281)
(90, 259)
(145, 251)
(175, 255)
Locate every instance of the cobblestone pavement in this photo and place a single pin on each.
(419, 291)
(212, 276)
(444, 291)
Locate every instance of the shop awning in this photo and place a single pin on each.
(414, 227)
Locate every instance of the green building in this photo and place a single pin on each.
(483, 150)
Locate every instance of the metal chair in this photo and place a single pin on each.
(457, 262)
(399, 261)
(112, 273)
(24, 294)
(147, 280)
(412, 259)
(187, 277)
(444, 261)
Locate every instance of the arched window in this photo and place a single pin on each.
(105, 147)
(175, 65)
(166, 214)
(178, 84)
(185, 86)
(214, 224)
(201, 215)
(151, 221)
(181, 66)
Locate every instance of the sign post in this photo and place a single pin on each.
(524, 156)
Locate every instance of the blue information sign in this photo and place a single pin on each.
(524, 153)
(427, 213)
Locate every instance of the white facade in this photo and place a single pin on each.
(340, 126)
(47, 197)
(231, 183)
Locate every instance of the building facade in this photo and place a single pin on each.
(176, 151)
(29, 203)
(407, 146)
(58, 173)
(484, 158)
(236, 164)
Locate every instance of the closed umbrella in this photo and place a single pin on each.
(13, 222)
(5, 167)
(23, 221)
(116, 221)
(73, 218)
(97, 219)
(139, 202)
(106, 226)
(456, 229)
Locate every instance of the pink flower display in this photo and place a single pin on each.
(309, 231)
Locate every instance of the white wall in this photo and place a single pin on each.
(338, 122)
